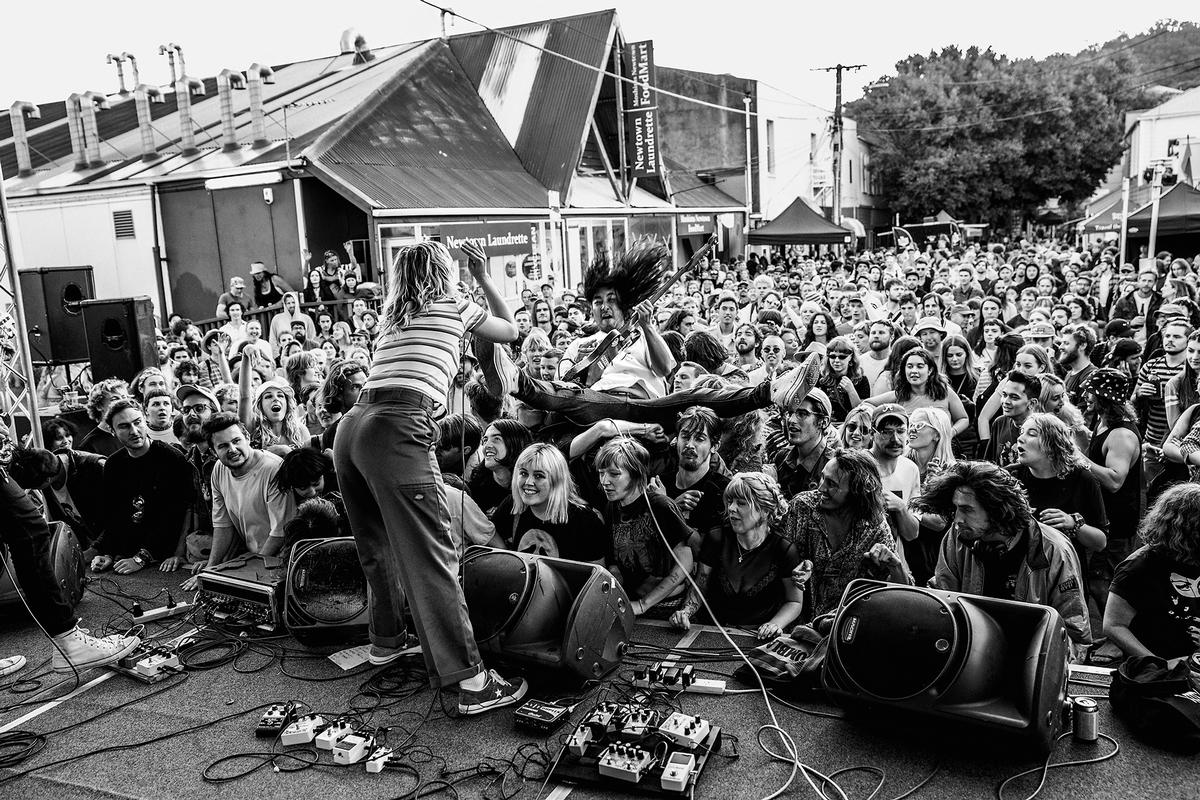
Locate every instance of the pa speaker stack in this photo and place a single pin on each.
(51, 297)
(120, 336)
(996, 667)
(547, 612)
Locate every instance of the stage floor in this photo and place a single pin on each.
(172, 767)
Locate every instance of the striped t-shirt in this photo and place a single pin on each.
(1156, 372)
(425, 355)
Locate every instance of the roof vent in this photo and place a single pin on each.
(16, 116)
(227, 81)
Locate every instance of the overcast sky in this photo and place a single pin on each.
(45, 59)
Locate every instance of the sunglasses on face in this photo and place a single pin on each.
(916, 427)
(839, 354)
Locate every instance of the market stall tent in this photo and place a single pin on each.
(800, 224)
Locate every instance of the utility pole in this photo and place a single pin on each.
(838, 69)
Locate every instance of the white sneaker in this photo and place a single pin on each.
(791, 387)
(11, 664)
(79, 649)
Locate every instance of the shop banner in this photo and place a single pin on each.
(641, 111)
(497, 238)
(696, 224)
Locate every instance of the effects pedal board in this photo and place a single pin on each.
(673, 678)
(303, 730)
(275, 719)
(630, 745)
(151, 662)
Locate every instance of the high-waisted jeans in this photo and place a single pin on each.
(394, 498)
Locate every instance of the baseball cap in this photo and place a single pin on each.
(821, 399)
(1171, 310)
(1119, 328)
(1124, 348)
(188, 389)
(888, 411)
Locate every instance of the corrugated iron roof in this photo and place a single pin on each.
(558, 96)
(319, 91)
(426, 140)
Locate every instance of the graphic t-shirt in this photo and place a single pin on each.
(1165, 596)
(581, 538)
(1002, 447)
(636, 548)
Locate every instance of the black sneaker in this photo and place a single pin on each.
(379, 656)
(496, 693)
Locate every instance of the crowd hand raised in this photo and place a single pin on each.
(655, 485)
(127, 566)
(893, 502)
(769, 630)
(654, 433)
(170, 564)
(101, 563)
(476, 260)
(681, 620)
(802, 574)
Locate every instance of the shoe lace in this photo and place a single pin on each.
(495, 677)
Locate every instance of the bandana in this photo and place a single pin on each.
(1109, 384)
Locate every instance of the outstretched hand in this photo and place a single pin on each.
(476, 260)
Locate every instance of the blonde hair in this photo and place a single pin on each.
(759, 490)
(563, 494)
(292, 433)
(1058, 444)
(422, 273)
(939, 420)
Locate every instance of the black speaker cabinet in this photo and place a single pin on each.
(325, 596)
(120, 336)
(995, 667)
(51, 298)
(547, 611)
(66, 559)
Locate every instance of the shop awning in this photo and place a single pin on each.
(1178, 212)
(1107, 219)
(799, 224)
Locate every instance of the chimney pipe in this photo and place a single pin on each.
(179, 54)
(119, 60)
(169, 52)
(132, 59)
(143, 95)
(346, 42)
(88, 102)
(75, 128)
(227, 81)
(185, 87)
(16, 115)
(256, 76)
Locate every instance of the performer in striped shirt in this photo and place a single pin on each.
(390, 482)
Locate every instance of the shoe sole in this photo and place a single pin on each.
(100, 662)
(10, 665)
(507, 700)
(486, 351)
(380, 661)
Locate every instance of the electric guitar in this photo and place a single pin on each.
(615, 341)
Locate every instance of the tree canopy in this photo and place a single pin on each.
(984, 136)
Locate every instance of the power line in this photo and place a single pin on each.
(957, 126)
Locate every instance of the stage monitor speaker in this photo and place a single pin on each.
(996, 667)
(546, 611)
(325, 596)
(51, 298)
(120, 336)
(66, 559)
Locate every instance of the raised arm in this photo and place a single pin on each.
(500, 325)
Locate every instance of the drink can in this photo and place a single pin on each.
(1086, 719)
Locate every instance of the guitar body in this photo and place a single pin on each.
(588, 369)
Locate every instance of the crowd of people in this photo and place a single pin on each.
(1015, 420)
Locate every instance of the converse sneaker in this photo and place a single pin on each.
(11, 664)
(791, 387)
(386, 655)
(499, 372)
(79, 649)
(496, 693)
